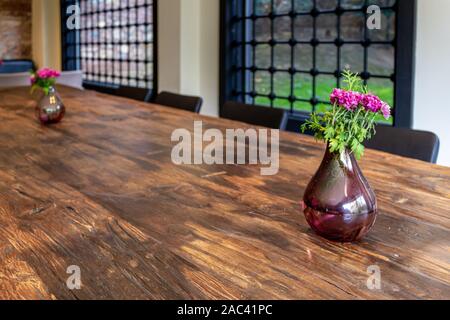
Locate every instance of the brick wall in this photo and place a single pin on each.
(15, 29)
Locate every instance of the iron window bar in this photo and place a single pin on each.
(238, 82)
(115, 46)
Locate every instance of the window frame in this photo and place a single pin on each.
(404, 64)
(143, 94)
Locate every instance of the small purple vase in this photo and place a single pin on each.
(339, 203)
(50, 109)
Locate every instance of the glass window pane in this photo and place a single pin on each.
(303, 84)
(387, 32)
(352, 57)
(282, 103)
(384, 88)
(282, 28)
(303, 28)
(324, 85)
(326, 58)
(295, 50)
(116, 41)
(326, 29)
(303, 5)
(352, 26)
(282, 84)
(326, 4)
(282, 6)
(352, 4)
(303, 55)
(262, 29)
(262, 82)
(262, 7)
(381, 60)
(282, 56)
(263, 56)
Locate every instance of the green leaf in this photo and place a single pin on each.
(362, 134)
(358, 151)
(329, 133)
(341, 128)
(304, 127)
(334, 145)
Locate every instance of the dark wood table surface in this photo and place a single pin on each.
(99, 191)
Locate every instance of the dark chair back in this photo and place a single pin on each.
(139, 94)
(409, 143)
(189, 103)
(16, 66)
(257, 115)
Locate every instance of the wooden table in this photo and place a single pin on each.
(99, 191)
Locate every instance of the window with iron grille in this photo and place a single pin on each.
(115, 44)
(290, 53)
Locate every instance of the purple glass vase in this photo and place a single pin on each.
(50, 108)
(339, 203)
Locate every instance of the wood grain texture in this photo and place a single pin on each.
(99, 191)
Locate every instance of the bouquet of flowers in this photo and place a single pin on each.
(44, 79)
(351, 119)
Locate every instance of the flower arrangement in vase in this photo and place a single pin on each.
(50, 108)
(339, 203)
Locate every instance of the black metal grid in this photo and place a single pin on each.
(243, 17)
(70, 39)
(115, 45)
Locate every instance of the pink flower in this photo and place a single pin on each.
(347, 99)
(386, 110)
(351, 100)
(33, 79)
(47, 73)
(372, 103)
(336, 96)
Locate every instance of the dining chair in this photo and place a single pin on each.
(189, 103)
(139, 94)
(11, 80)
(257, 115)
(73, 79)
(421, 145)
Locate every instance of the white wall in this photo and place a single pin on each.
(432, 83)
(209, 55)
(188, 49)
(169, 32)
(46, 33)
